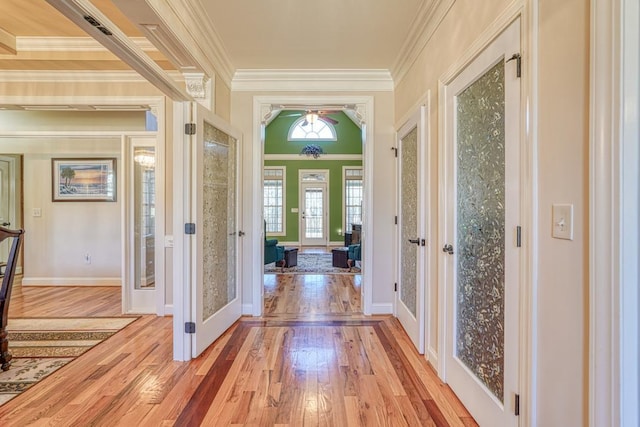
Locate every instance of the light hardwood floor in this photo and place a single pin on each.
(313, 359)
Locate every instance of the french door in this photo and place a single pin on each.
(314, 209)
(7, 199)
(410, 295)
(481, 259)
(216, 299)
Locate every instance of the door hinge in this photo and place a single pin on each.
(518, 58)
(189, 328)
(395, 151)
(189, 228)
(395, 287)
(516, 409)
(519, 236)
(395, 221)
(190, 128)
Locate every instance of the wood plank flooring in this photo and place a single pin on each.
(333, 367)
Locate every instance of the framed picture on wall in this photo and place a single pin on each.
(84, 180)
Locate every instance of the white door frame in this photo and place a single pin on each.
(261, 110)
(325, 200)
(614, 243)
(527, 10)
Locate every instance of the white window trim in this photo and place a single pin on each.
(344, 195)
(298, 123)
(284, 198)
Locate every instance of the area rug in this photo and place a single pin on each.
(312, 264)
(41, 346)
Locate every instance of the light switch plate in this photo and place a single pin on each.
(562, 218)
(37, 212)
(294, 210)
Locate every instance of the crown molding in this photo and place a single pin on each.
(44, 76)
(312, 80)
(72, 44)
(425, 24)
(196, 22)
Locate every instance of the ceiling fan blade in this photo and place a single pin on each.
(290, 115)
(329, 120)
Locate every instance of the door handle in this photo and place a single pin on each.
(416, 241)
(448, 249)
(6, 224)
(241, 233)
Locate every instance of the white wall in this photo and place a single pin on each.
(383, 185)
(56, 242)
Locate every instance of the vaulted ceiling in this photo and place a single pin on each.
(253, 34)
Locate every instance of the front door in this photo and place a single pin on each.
(481, 258)
(216, 299)
(410, 292)
(314, 209)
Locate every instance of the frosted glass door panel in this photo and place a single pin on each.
(219, 214)
(480, 228)
(409, 219)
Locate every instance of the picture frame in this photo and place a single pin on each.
(84, 180)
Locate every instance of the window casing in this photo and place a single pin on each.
(353, 194)
(274, 198)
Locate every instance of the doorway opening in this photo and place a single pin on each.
(318, 210)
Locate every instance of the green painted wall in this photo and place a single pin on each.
(349, 141)
(292, 193)
(275, 141)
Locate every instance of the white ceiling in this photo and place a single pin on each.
(329, 34)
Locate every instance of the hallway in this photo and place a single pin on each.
(333, 367)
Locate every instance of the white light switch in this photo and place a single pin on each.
(168, 241)
(37, 212)
(562, 222)
(294, 210)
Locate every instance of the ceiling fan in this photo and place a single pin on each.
(312, 115)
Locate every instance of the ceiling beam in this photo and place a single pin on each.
(7, 42)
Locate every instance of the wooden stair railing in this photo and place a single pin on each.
(9, 272)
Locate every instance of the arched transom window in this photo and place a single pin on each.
(317, 129)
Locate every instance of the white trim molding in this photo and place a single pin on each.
(614, 179)
(332, 157)
(125, 76)
(72, 44)
(425, 24)
(312, 80)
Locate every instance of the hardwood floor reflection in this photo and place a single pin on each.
(330, 366)
(312, 294)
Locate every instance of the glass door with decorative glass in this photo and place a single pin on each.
(482, 212)
(216, 301)
(409, 305)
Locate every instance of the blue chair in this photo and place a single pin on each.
(272, 252)
(354, 253)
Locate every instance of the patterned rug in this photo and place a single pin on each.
(42, 346)
(312, 264)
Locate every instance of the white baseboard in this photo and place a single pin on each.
(247, 309)
(168, 309)
(432, 357)
(381, 308)
(295, 244)
(71, 281)
(338, 244)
